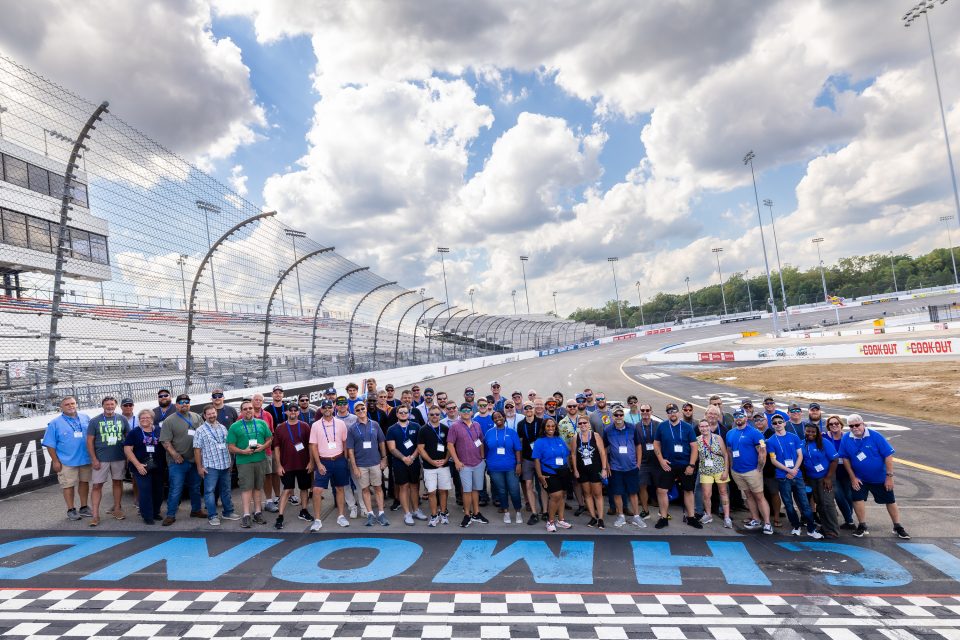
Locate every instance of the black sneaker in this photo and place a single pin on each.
(305, 515)
(534, 519)
(848, 526)
(258, 518)
(861, 531)
(465, 522)
(901, 532)
(279, 523)
(695, 522)
(644, 514)
(661, 523)
(600, 524)
(395, 506)
(592, 522)
(479, 517)
(545, 517)
(580, 511)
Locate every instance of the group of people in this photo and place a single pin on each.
(536, 453)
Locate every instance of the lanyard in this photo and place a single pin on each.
(643, 432)
(780, 445)
(589, 437)
(526, 430)
(186, 418)
(290, 432)
(806, 450)
(676, 439)
(496, 436)
(164, 414)
(438, 431)
(324, 425)
(470, 430)
(360, 431)
(213, 433)
(78, 427)
(153, 438)
(739, 437)
(243, 423)
(621, 432)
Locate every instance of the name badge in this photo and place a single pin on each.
(331, 445)
(678, 448)
(861, 456)
(649, 446)
(298, 446)
(587, 462)
(111, 441)
(788, 464)
(501, 451)
(78, 434)
(441, 447)
(708, 462)
(253, 443)
(408, 444)
(559, 461)
(190, 432)
(818, 468)
(222, 445)
(477, 442)
(736, 454)
(622, 448)
(149, 448)
(367, 444)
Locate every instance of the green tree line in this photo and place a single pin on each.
(848, 278)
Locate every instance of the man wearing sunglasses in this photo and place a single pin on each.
(226, 415)
(675, 446)
(590, 403)
(391, 392)
(405, 467)
(305, 413)
(602, 416)
(647, 430)
(786, 455)
(726, 418)
(770, 410)
(176, 437)
(869, 460)
(748, 454)
(498, 400)
(433, 451)
(164, 407)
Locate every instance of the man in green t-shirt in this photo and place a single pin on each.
(248, 439)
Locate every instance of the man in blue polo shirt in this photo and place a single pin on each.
(748, 453)
(770, 410)
(870, 462)
(624, 448)
(675, 445)
(66, 442)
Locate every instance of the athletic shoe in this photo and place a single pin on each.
(727, 523)
(395, 506)
(353, 512)
(534, 519)
(229, 516)
(768, 529)
(294, 499)
(544, 517)
(693, 522)
(506, 518)
(214, 521)
(580, 511)
(638, 522)
(85, 512)
(848, 526)
(644, 514)
(600, 525)
(901, 532)
(305, 515)
(434, 521)
(620, 521)
(444, 518)
(861, 531)
(246, 521)
(816, 535)
(592, 523)
(465, 522)
(795, 532)
(363, 511)
(272, 505)
(752, 525)
(279, 523)
(420, 515)
(563, 524)
(382, 519)
(316, 526)
(408, 519)
(343, 522)
(369, 522)
(258, 518)
(519, 518)
(552, 528)
(706, 519)
(661, 523)
(72, 514)
(479, 517)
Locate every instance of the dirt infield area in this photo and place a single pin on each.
(923, 390)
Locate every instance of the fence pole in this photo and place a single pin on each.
(396, 349)
(353, 316)
(376, 328)
(438, 304)
(316, 316)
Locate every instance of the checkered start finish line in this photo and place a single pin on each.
(103, 614)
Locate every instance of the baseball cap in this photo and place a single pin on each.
(466, 406)
(688, 404)
(277, 388)
(581, 398)
(126, 401)
(326, 404)
(428, 390)
(389, 387)
(759, 416)
(331, 390)
(293, 407)
(814, 405)
(794, 407)
(495, 383)
(739, 413)
(163, 390)
(768, 399)
(468, 390)
(183, 396)
(747, 402)
(217, 390)
(671, 406)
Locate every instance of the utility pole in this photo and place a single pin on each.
(293, 235)
(717, 251)
(526, 292)
(183, 278)
(640, 300)
(208, 208)
(446, 295)
(616, 291)
(823, 279)
(748, 159)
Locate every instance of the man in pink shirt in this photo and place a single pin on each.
(466, 449)
(328, 436)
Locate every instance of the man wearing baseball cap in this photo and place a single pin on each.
(675, 445)
(176, 436)
(748, 454)
(815, 417)
(498, 399)
(226, 415)
(328, 436)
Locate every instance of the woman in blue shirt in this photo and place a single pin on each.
(503, 450)
(551, 456)
(819, 466)
(841, 486)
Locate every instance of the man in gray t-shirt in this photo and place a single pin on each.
(367, 452)
(105, 437)
(177, 439)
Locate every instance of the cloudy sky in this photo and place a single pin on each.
(566, 131)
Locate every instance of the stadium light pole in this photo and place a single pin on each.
(748, 159)
(746, 279)
(640, 301)
(471, 292)
(689, 297)
(923, 8)
(823, 279)
(776, 245)
(513, 294)
(953, 259)
(208, 208)
(283, 303)
(717, 251)
(555, 312)
(293, 234)
(182, 260)
(446, 296)
(3, 110)
(526, 292)
(616, 291)
(893, 270)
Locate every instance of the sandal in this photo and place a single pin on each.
(95, 522)
(118, 514)
(777, 523)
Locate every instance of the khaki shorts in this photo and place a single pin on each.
(69, 476)
(269, 462)
(713, 478)
(751, 481)
(250, 476)
(109, 471)
(370, 477)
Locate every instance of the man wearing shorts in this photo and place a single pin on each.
(105, 435)
(675, 445)
(248, 440)
(649, 466)
(367, 454)
(466, 449)
(748, 452)
(530, 430)
(624, 448)
(433, 451)
(405, 464)
(870, 461)
(291, 461)
(328, 435)
(66, 443)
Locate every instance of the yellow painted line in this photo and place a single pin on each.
(907, 463)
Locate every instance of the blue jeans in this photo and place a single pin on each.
(791, 490)
(843, 493)
(182, 474)
(503, 482)
(217, 482)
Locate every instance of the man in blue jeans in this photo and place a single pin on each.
(786, 455)
(177, 439)
(213, 466)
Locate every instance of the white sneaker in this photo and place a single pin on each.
(620, 521)
(408, 519)
(272, 505)
(316, 525)
(420, 515)
(795, 532)
(519, 518)
(552, 528)
(353, 512)
(816, 535)
(727, 523)
(343, 522)
(638, 522)
(563, 524)
(706, 519)
(768, 529)
(434, 521)
(506, 518)
(444, 518)
(363, 511)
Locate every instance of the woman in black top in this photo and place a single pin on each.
(590, 468)
(145, 454)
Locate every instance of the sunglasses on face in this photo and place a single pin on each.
(769, 403)
(467, 410)
(183, 402)
(777, 421)
(482, 404)
(528, 408)
(509, 406)
(671, 410)
(645, 410)
(583, 423)
(618, 415)
(360, 407)
(833, 424)
(341, 404)
(403, 413)
(434, 415)
(163, 395)
(631, 402)
(588, 395)
(856, 424)
(217, 395)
